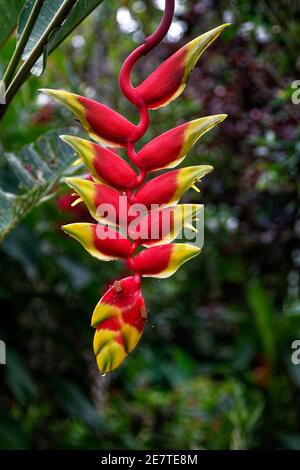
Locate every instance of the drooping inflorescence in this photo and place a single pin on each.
(131, 214)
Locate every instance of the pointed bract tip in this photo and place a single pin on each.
(73, 142)
(205, 169)
(51, 92)
(193, 249)
(78, 230)
(74, 227)
(220, 28)
(221, 117)
(77, 143)
(66, 228)
(198, 167)
(78, 183)
(202, 125)
(65, 138)
(69, 180)
(206, 120)
(200, 43)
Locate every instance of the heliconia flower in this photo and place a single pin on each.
(168, 81)
(169, 149)
(104, 203)
(162, 261)
(169, 187)
(100, 241)
(119, 318)
(102, 163)
(164, 225)
(119, 201)
(102, 123)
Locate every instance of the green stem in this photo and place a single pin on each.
(36, 52)
(13, 64)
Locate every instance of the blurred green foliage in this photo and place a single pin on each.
(213, 369)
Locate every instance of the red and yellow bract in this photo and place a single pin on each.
(120, 314)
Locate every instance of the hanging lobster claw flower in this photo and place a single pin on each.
(168, 81)
(105, 204)
(164, 260)
(102, 123)
(164, 225)
(169, 187)
(119, 318)
(102, 163)
(120, 314)
(100, 241)
(169, 149)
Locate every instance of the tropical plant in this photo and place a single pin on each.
(120, 314)
(41, 25)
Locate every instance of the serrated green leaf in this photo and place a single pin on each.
(38, 167)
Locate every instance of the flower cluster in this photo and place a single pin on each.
(120, 315)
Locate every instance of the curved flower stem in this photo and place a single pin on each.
(141, 177)
(150, 43)
(130, 265)
(130, 196)
(129, 91)
(138, 278)
(131, 152)
(143, 125)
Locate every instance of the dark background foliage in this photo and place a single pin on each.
(213, 369)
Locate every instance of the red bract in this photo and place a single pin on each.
(122, 294)
(102, 163)
(100, 241)
(162, 226)
(170, 148)
(119, 320)
(169, 187)
(104, 203)
(163, 261)
(128, 224)
(101, 122)
(169, 80)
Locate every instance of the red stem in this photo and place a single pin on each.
(130, 92)
(150, 43)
